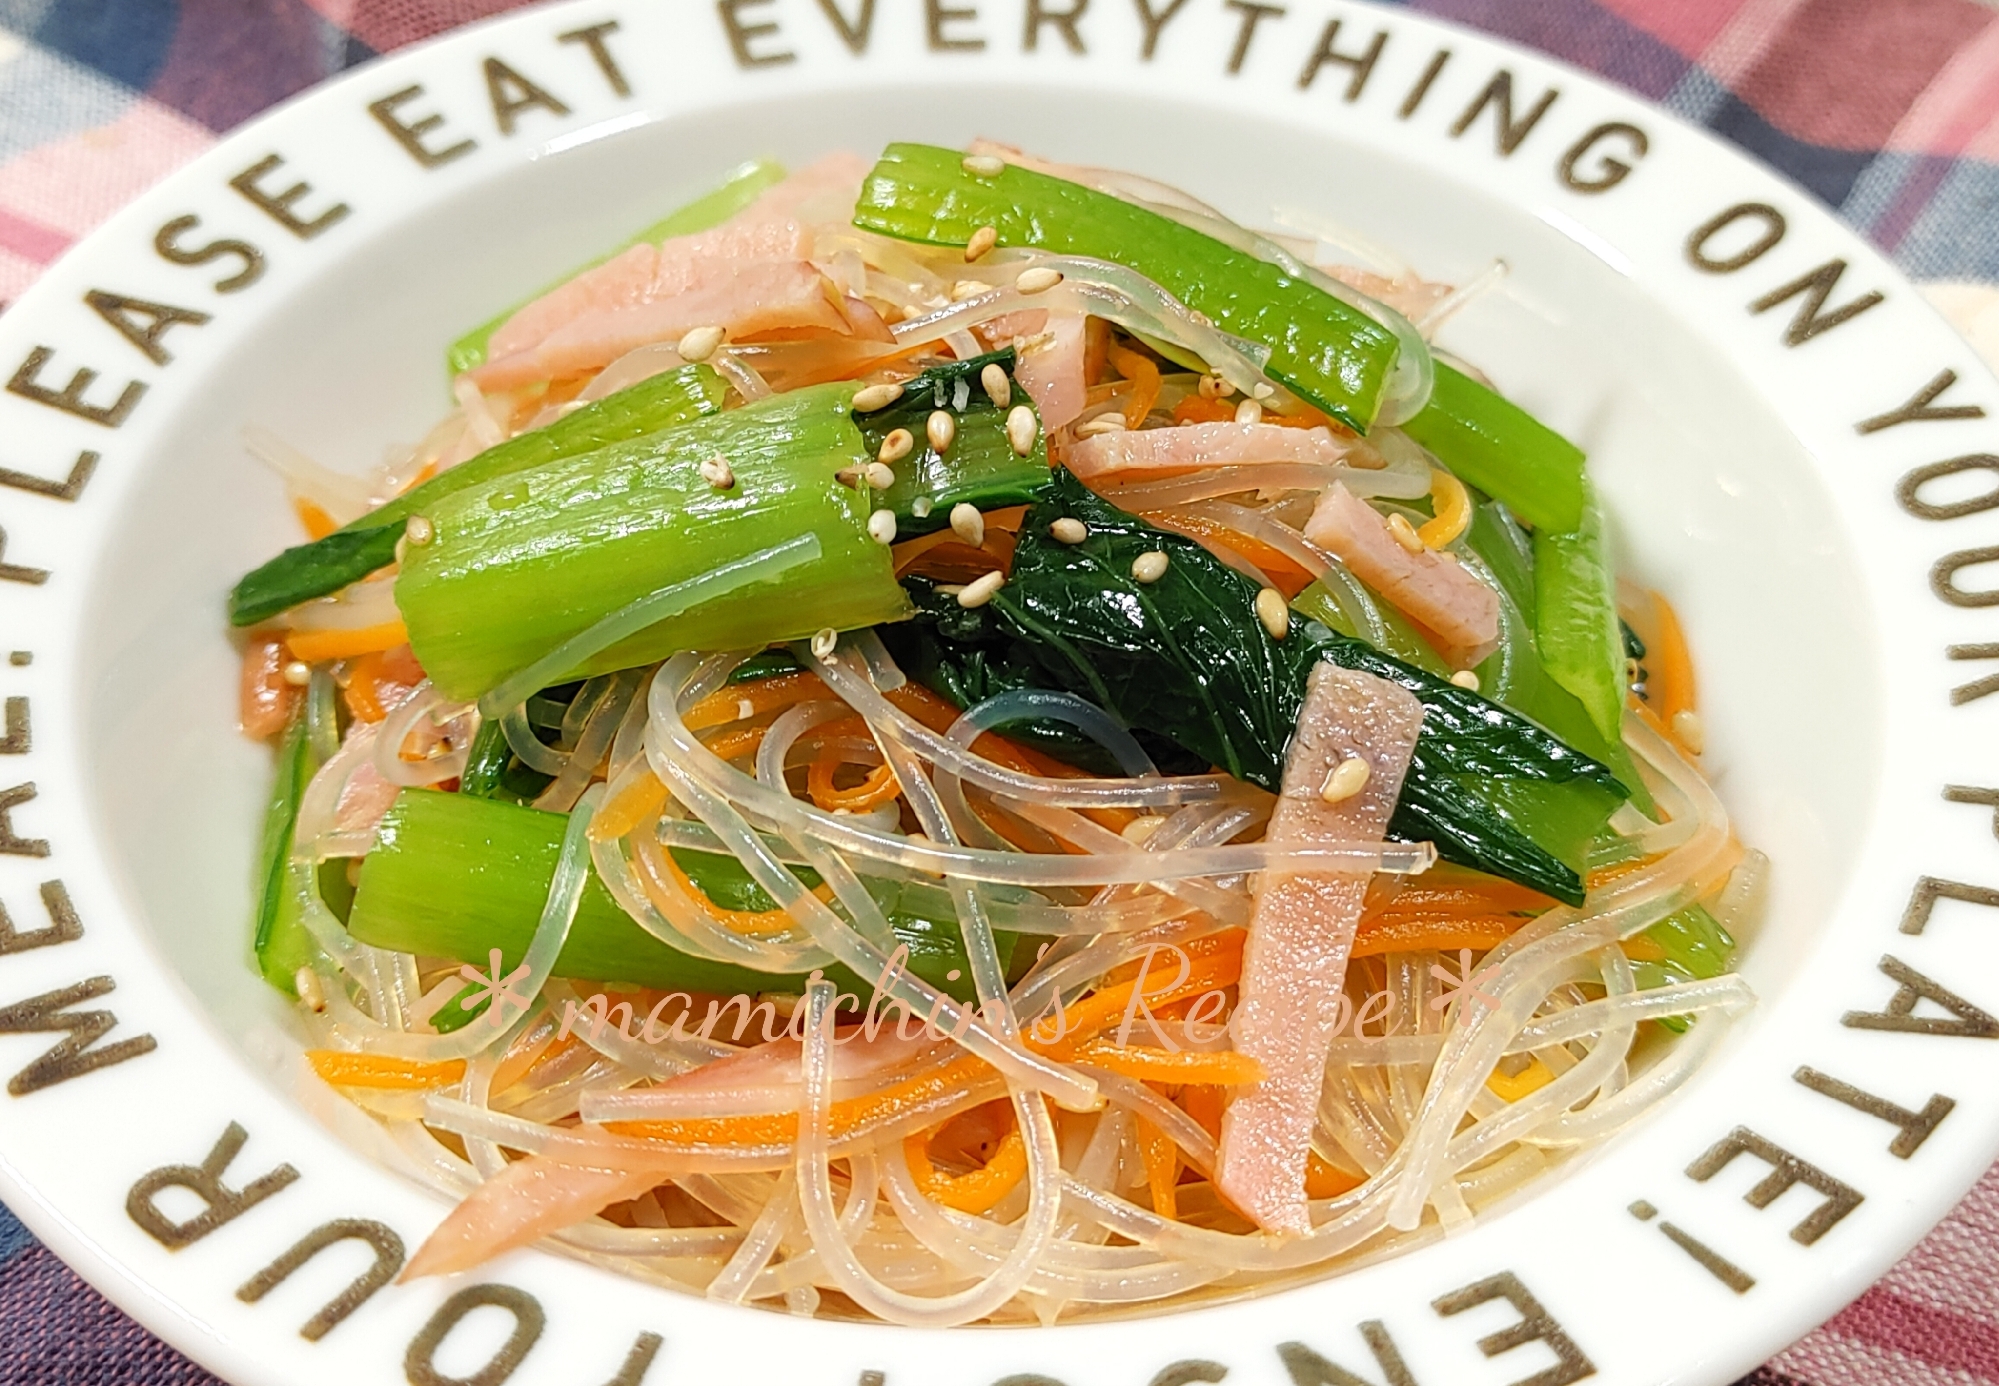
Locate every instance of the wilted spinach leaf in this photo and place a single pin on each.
(1185, 658)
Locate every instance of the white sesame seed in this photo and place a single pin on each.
(921, 507)
(1022, 427)
(419, 531)
(298, 673)
(1272, 611)
(968, 289)
(940, 428)
(1069, 530)
(1035, 280)
(306, 983)
(850, 477)
(823, 643)
(1345, 780)
(895, 447)
(1213, 387)
(998, 388)
(1149, 567)
(699, 343)
(881, 526)
(980, 590)
(983, 239)
(717, 472)
(1263, 390)
(876, 397)
(1139, 829)
(1249, 412)
(880, 476)
(1405, 533)
(982, 165)
(1112, 422)
(961, 394)
(1689, 730)
(968, 524)
(1466, 678)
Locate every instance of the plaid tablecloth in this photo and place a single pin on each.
(1886, 109)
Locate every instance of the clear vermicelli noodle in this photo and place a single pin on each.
(967, 741)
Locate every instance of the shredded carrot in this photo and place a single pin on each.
(1287, 576)
(318, 646)
(1096, 349)
(1446, 889)
(1404, 934)
(732, 745)
(946, 557)
(1215, 962)
(962, 1077)
(1162, 1168)
(318, 524)
(1669, 665)
(975, 1191)
(636, 803)
(879, 787)
(1217, 1067)
(753, 922)
(1136, 367)
(1204, 1104)
(362, 696)
(1535, 1076)
(741, 701)
(1453, 507)
(1322, 1180)
(384, 1071)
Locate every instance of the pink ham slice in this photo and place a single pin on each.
(1300, 931)
(1429, 587)
(1050, 366)
(523, 1203)
(749, 275)
(1188, 446)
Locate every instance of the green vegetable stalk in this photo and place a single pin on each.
(738, 190)
(523, 563)
(369, 543)
(1497, 446)
(456, 877)
(1575, 618)
(1330, 352)
(979, 468)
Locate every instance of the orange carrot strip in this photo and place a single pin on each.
(318, 524)
(384, 1071)
(1216, 962)
(1217, 1068)
(880, 787)
(1323, 1181)
(636, 803)
(741, 921)
(741, 701)
(1287, 575)
(732, 745)
(1204, 1104)
(975, 1191)
(1137, 368)
(363, 693)
(1403, 934)
(1162, 1168)
(318, 646)
(962, 1078)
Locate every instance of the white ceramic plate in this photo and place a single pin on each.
(1822, 548)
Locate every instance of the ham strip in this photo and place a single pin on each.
(1430, 588)
(1300, 932)
(1190, 446)
(749, 275)
(521, 1204)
